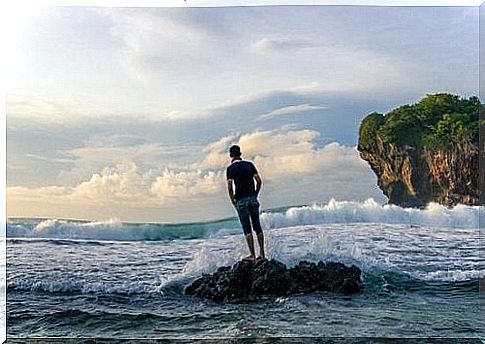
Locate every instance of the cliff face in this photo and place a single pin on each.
(412, 177)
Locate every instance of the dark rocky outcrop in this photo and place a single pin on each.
(425, 152)
(250, 280)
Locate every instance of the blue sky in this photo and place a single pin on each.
(128, 112)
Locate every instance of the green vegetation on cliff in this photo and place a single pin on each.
(433, 122)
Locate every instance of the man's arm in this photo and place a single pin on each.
(230, 190)
(258, 183)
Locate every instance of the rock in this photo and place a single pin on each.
(413, 178)
(269, 277)
(425, 152)
(250, 280)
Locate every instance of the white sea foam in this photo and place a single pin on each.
(335, 212)
(451, 275)
(81, 287)
(110, 230)
(372, 247)
(461, 216)
(75, 230)
(208, 258)
(60, 229)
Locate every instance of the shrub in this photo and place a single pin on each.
(433, 122)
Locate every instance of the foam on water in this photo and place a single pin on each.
(461, 216)
(425, 260)
(81, 287)
(320, 247)
(114, 230)
(63, 229)
(425, 254)
(455, 275)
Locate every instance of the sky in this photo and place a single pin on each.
(128, 113)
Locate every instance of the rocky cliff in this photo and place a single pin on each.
(425, 152)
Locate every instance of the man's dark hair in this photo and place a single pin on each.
(235, 151)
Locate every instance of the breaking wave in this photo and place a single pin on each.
(369, 211)
(436, 215)
(115, 230)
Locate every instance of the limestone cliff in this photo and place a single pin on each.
(426, 152)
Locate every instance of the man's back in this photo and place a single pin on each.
(242, 173)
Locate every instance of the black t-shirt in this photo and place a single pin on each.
(242, 172)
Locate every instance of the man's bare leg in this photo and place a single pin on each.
(261, 245)
(250, 241)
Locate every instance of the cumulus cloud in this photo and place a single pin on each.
(284, 153)
(95, 155)
(127, 184)
(280, 155)
(121, 183)
(180, 185)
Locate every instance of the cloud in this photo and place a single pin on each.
(273, 45)
(285, 153)
(223, 108)
(195, 58)
(154, 40)
(184, 184)
(175, 55)
(31, 106)
(122, 183)
(125, 183)
(292, 109)
(74, 149)
(33, 194)
(94, 156)
(291, 163)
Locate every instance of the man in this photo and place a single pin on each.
(242, 174)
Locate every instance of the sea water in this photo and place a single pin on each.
(420, 269)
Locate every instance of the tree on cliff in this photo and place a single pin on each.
(425, 152)
(432, 123)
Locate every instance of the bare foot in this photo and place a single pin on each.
(261, 258)
(249, 258)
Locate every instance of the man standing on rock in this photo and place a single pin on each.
(241, 174)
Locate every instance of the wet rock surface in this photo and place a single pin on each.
(247, 280)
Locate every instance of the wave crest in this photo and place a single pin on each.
(461, 216)
(434, 215)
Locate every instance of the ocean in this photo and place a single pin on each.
(420, 268)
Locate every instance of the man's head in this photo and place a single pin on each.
(235, 151)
